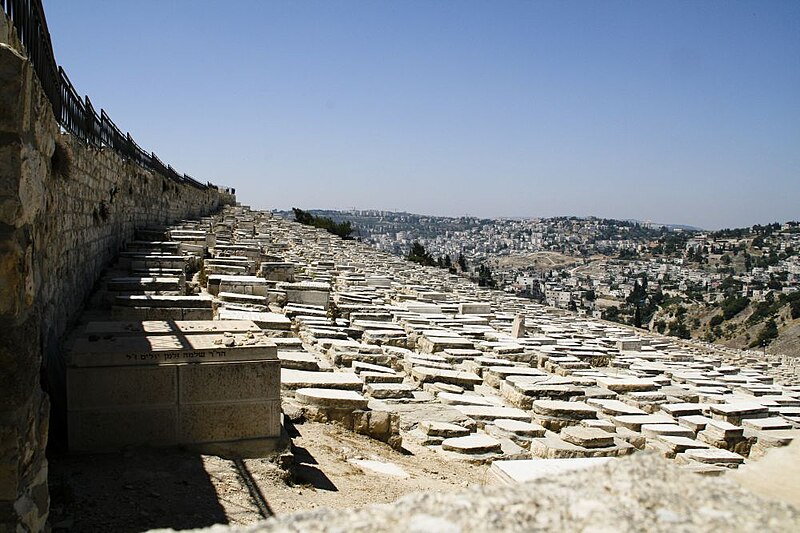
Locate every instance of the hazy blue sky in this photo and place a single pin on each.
(682, 112)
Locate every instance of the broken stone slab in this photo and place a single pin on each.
(736, 412)
(600, 423)
(455, 355)
(635, 422)
(694, 422)
(369, 376)
(587, 437)
(513, 472)
(380, 467)
(567, 410)
(360, 367)
(411, 362)
(552, 447)
(287, 343)
(436, 388)
(393, 391)
(719, 429)
(518, 428)
(673, 430)
(466, 399)
(271, 321)
(622, 385)
(678, 410)
(766, 424)
(516, 431)
(298, 360)
(494, 375)
(775, 438)
(431, 344)
(484, 414)
(472, 444)
(714, 456)
(614, 407)
(385, 336)
(442, 429)
(672, 445)
(455, 377)
(340, 399)
(365, 325)
(298, 379)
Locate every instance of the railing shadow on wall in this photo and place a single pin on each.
(75, 114)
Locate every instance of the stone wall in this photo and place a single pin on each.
(65, 211)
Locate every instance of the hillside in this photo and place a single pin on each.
(748, 328)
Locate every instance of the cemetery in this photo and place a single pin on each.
(309, 328)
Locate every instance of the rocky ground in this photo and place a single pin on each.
(142, 489)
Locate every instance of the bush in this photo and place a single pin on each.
(716, 320)
(733, 306)
(678, 329)
(767, 334)
(764, 309)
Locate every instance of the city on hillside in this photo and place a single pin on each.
(735, 287)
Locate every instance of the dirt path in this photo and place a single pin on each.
(144, 489)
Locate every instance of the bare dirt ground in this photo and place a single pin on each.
(142, 489)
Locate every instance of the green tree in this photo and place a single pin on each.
(485, 278)
(767, 334)
(678, 329)
(462, 262)
(341, 229)
(795, 308)
(418, 254)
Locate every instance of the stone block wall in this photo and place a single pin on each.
(65, 211)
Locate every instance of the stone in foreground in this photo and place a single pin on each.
(471, 444)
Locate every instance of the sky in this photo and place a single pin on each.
(671, 112)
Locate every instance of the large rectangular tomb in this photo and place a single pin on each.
(214, 384)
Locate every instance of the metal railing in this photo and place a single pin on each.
(75, 114)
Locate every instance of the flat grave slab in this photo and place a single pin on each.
(299, 379)
(331, 398)
(263, 320)
(524, 470)
(472, 444)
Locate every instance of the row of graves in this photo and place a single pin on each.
(151, 364)
(332, 330)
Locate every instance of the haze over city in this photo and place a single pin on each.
(681, 112)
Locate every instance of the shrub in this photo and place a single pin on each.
(733, 306)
